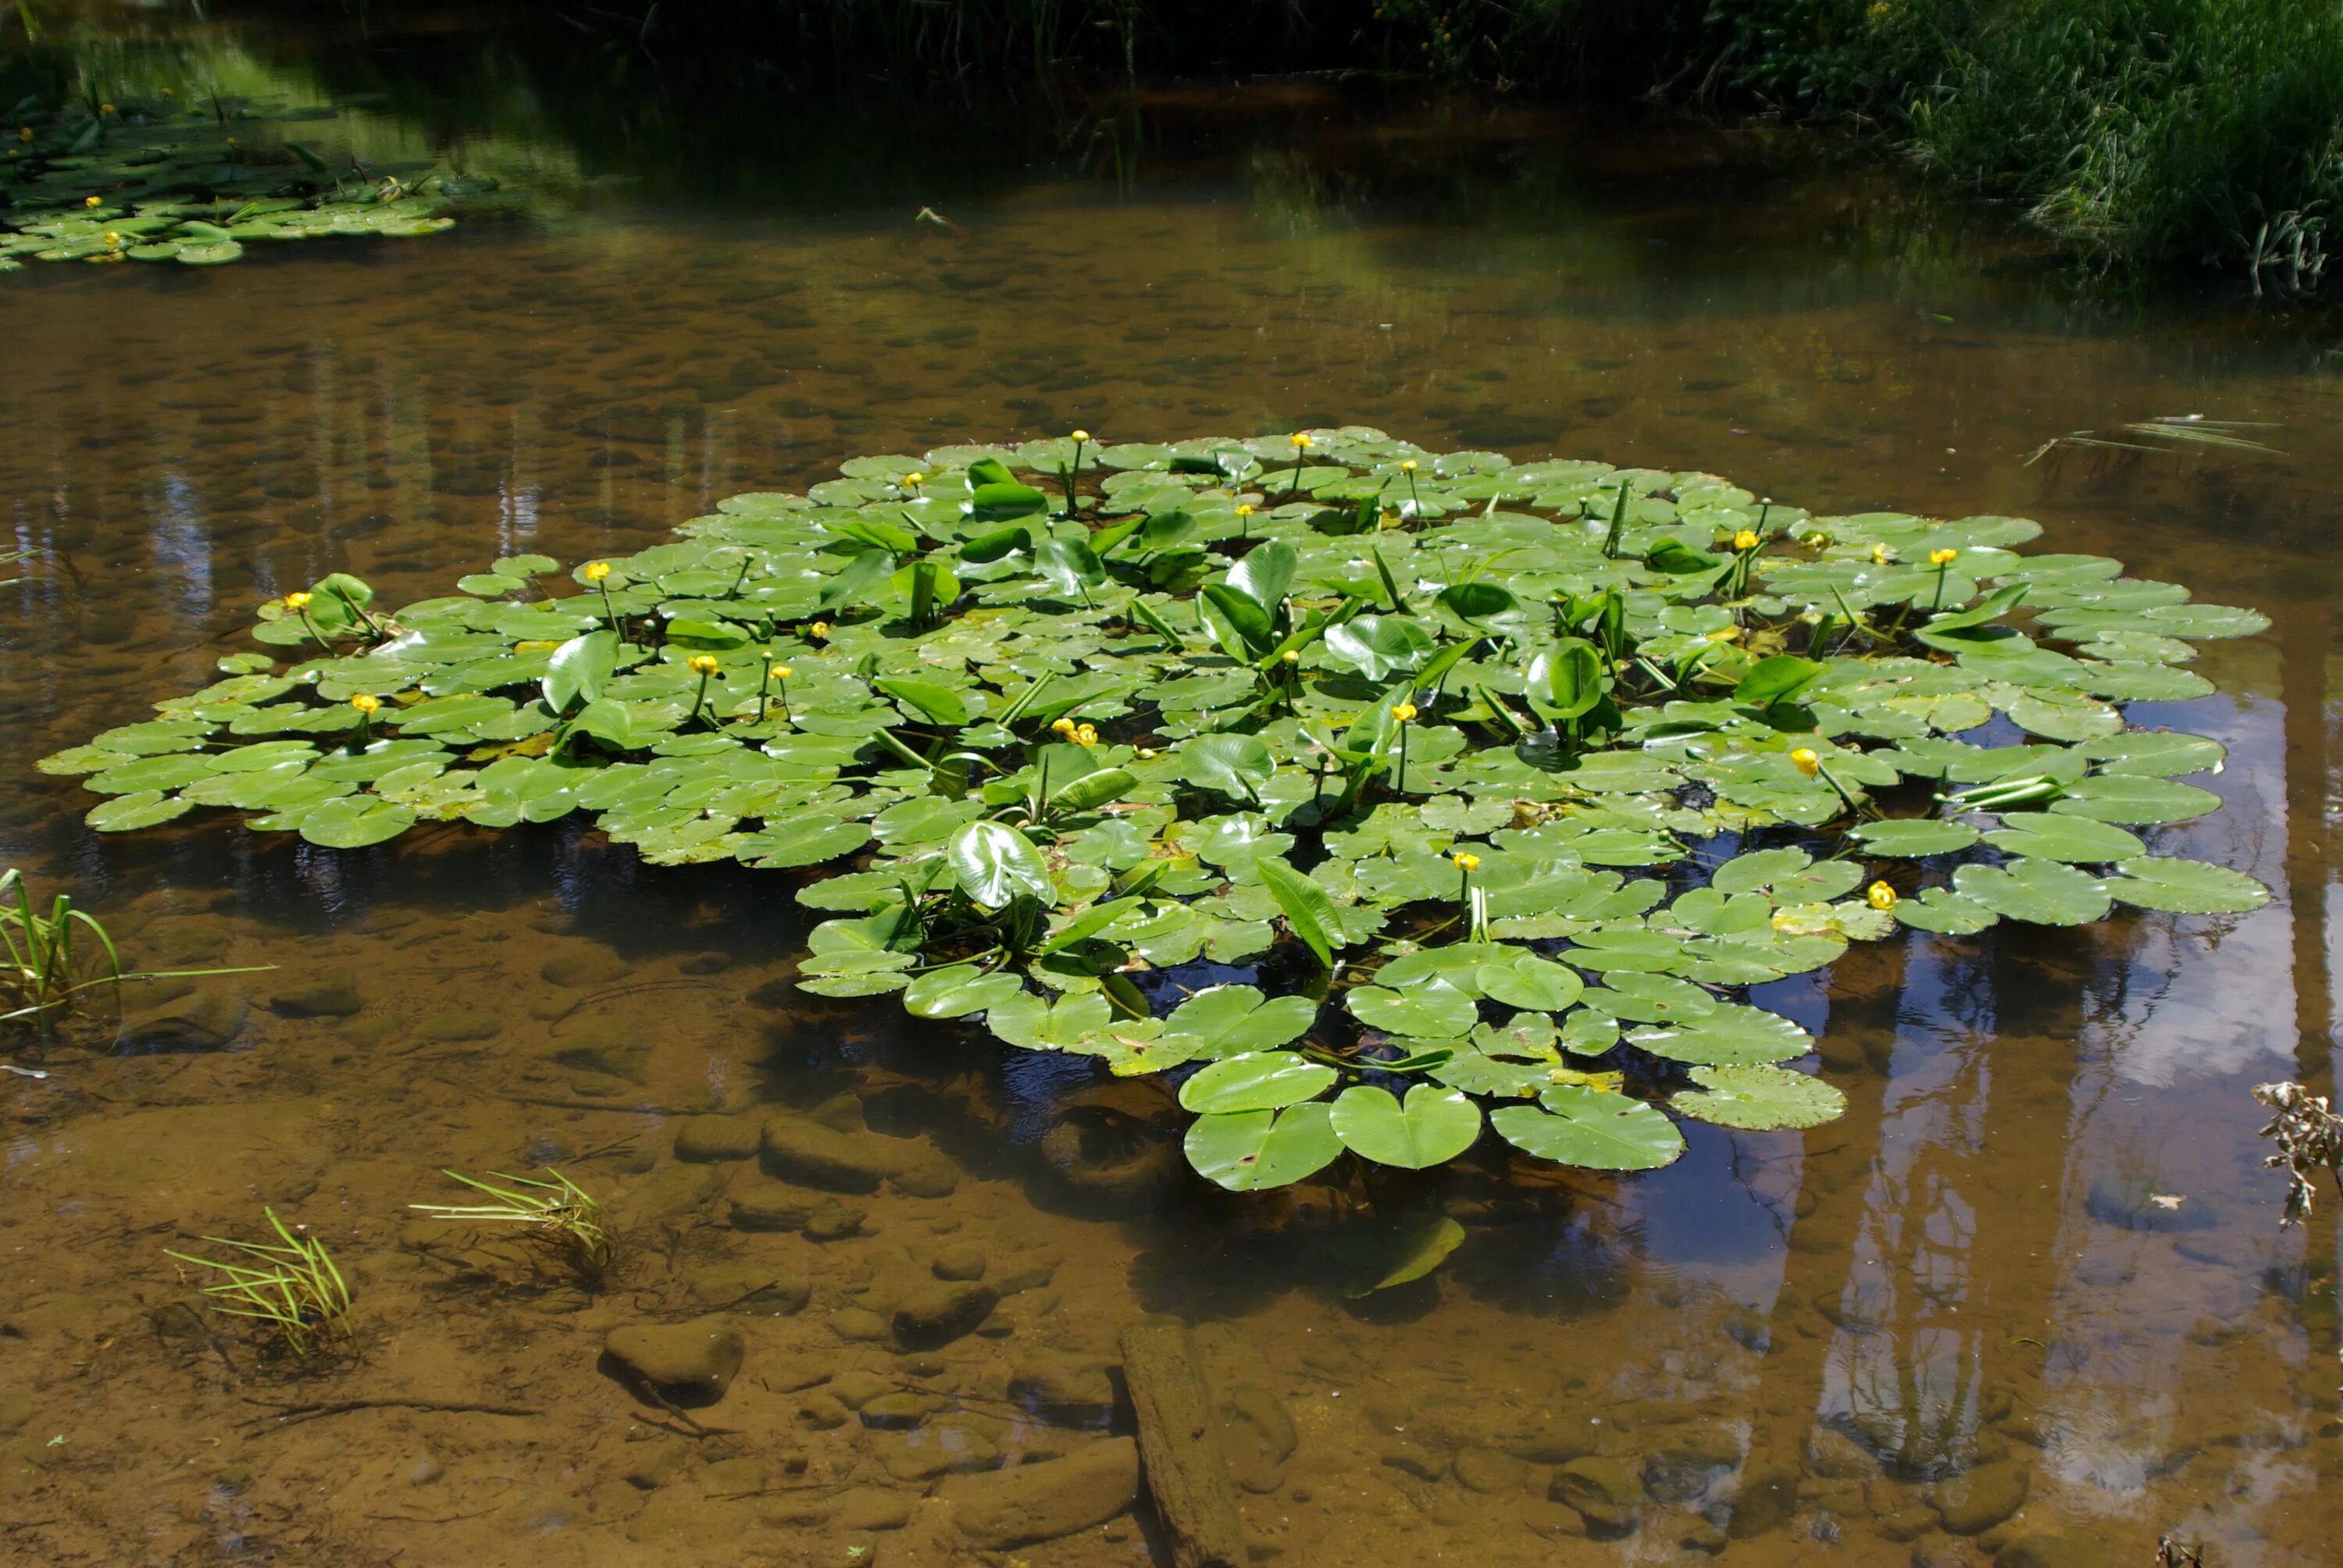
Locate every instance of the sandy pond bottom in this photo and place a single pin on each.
(926, 1264)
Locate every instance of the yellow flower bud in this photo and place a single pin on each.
(23, 133)
(1942, 557)
(1408, 466)
(297, 601)
(1301, 440)
(1880, 896)
(1745, 539)
(1403, 711)
(107, 109)
(1291, 657)
(1467, 862)
(1086, 736)
(915, 480)
(1245, 508)
(1081, 435)
(819, 629)
(1062, 726)
(596, 571)
(781, 672)
(1806, 762)
(112, 238)
(1146, 751)
(1879, 555)
(1815, 541)
(701, 664)
(89, 201)
(366, 703)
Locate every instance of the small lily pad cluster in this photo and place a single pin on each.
(1388, 798)
(158, 180)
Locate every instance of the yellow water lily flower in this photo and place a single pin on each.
(297, 601)
(596, 571)
(1880, 555)
(1291, 657)
(1062, 726)
(1880, 896)
(1081, 435)
(1942, 557)
(1146, 751)
(1408, 466)
(819, 629)
(781, 672)
(1245, 508)
(701, 664)
(1086, 736)
(915, 480)
(1301, 440)
(1403, 711)
(1467, 862)
(112, 238)
(1806, 762)
(366, 703)
(1745, 539)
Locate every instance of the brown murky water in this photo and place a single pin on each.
(1943, 1328)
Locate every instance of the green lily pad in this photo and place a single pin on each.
(1256, 1081)
(1758, 1099)
(2184, 887)
(1590, 1127)
(2135, 799)
(1254, 1151)
(354, 821)
(2041, 891)
(2078, 841)
(1432, 1010)
(140, 809)
(1431, 1127)
(1914, 838)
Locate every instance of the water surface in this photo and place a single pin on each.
(1793, 1343)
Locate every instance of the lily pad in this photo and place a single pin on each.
(1590, 1127)
(1252, 1151)
(1758, 1099)
(1256, 1081)
(2184, 887)
(1431, 1127)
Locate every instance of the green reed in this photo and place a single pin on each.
(559, 1215)
(291, 1284)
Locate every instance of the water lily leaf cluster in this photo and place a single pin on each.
(159, 180)
(1396, 803)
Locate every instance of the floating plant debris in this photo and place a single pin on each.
(1496, 785)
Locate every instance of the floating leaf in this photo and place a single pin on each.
(1256, 1081)
(2042, 891)
(1914, 838)
(2184, 887)
(1252, 1151)
(1431, 1128)
(1758, 1099)
(1433, 1010)
(1593, 1128)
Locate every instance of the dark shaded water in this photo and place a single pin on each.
(1855, 1344)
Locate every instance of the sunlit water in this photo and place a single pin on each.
(1808, 1347)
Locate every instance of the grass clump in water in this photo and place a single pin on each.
(291, 1284)
(559, 1215)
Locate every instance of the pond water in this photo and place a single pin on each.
(1954, 1323)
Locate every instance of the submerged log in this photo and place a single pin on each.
(1186, 1475)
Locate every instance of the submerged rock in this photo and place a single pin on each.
(1606, 1491)
(1973, 1504)
(1036, 1502)
(804, 1151)
(717, 1138)
(2049, 1551)
(1067, 1388)
(940, 1313)
(332, 998)
(680, 1363)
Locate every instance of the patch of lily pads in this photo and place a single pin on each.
(1389, 800)
(159, 180)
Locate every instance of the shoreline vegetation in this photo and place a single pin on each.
(2149, 138)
